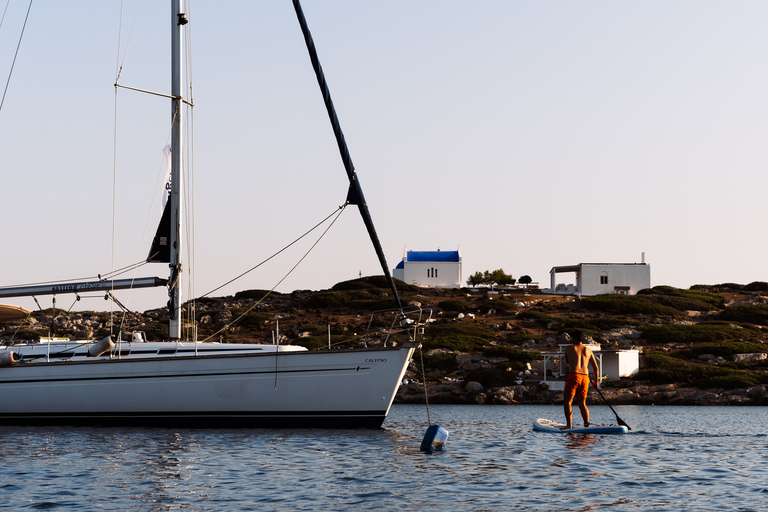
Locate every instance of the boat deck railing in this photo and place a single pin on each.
(388, 323)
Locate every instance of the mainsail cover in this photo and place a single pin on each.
(160, 252)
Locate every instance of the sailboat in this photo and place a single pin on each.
(191, 383)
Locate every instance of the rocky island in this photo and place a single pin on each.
(701, 346)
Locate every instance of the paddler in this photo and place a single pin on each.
(579, 357)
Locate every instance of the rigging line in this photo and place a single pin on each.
(5, 11)
(98, 277)
(189, 211)
(119, 39)
(341, 210)
(114, 191)
(146, 225)
(7, 83)
(77, 299)
(121, 271)
(23, 322)
(275, 254)
(127, 44)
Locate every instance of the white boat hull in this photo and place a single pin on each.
(340, 388)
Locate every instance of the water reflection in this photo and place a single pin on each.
(582, 442)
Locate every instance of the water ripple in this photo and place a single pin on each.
(708, 458)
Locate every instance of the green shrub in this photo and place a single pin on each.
(662, 361)
(321, 342)
(254, 319)
(355, 284)
(31, 334)
(746, 313)
(313, 329)
(708, 332)
(379, 281)
(587, 324)
(454, 305)
(731, 380)
(628, 305)
(692, 299)
(48, 312)
(519, 338)
(327, 300)
(717, 288)
(724, 349)
(661, 368)
(513, 354)
(443, 362)
(459, 336)
(253, 294)
(372, 304)
(756, 286)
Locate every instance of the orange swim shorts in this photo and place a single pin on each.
(576, 386)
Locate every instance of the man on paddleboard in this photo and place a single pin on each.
(579, 357)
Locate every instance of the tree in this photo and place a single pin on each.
(475, 279)
(497, 277)
(500, 278)
(526, 279)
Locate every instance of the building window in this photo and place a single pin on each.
(603, 279)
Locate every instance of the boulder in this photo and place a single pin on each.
(503, 395)
(474, 388)
(750, 358)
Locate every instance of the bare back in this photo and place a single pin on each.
(578, 357)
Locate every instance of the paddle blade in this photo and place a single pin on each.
(618, 420)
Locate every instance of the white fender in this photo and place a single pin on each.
(8, 358)
(99, 347)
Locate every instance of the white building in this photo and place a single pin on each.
(597, 278)
(439, 269)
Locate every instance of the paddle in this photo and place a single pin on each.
(618, 420)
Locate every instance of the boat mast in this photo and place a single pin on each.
(178, 19)
(355, 192)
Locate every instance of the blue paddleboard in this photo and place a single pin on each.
(554, 426)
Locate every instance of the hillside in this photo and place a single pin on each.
(705, 345)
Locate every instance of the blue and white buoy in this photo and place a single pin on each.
(435, 439)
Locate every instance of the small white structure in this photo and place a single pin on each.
(620, 363)
(439, 269)
(612, 364)
(597, 278)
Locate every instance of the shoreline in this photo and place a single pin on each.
(458, 393)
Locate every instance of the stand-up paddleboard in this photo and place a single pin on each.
(554, 426)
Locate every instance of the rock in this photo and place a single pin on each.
(751, 358)
(474, 388)
(464, 361)
(757, 393)
(503, 396)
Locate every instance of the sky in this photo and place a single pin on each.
(526, 134)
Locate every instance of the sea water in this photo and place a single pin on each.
(676, 458)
